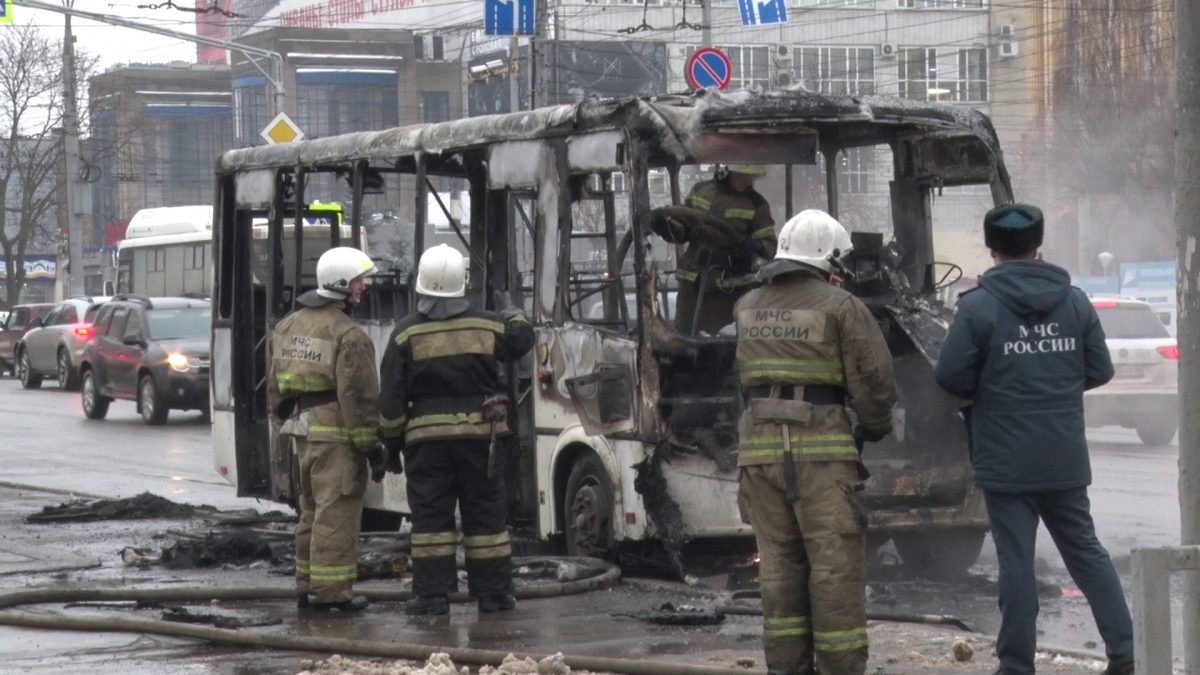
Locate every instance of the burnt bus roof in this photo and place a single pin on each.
(672, 122)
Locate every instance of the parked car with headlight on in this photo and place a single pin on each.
(154, 351)
(54, 345)
(1144, 392)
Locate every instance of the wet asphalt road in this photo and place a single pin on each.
(50, 444)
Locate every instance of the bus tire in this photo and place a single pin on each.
(587, 507)
(154, 409)
(95, 406)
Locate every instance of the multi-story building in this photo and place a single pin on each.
(156, 131)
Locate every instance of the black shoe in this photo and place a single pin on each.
(1123, 668)
(427, 605)
(496, 603)
(302, 601)
(356, 604)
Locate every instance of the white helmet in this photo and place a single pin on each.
(813, 238)
(339, 266)
(442, 273)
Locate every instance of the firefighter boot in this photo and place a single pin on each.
(302, 601)
(356, 604)
(496, 603)
(427, 605)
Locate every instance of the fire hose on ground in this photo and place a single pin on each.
(365, 648)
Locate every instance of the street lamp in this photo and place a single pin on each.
(1106, 259)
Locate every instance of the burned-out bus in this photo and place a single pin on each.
(626, 427)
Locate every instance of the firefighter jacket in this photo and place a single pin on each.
(746, 211)
(437, 373)
(799, 330)
(319, 355)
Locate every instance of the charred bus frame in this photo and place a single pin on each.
(626, 426)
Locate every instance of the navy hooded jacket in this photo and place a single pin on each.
(1024, 347)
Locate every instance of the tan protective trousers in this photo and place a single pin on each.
(333, 478)
(812, 566)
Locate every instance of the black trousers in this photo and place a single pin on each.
(442, 474)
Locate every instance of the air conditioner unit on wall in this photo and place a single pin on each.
(887, 50)
(1009, 47)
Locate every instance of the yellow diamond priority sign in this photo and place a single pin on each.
(282, 130)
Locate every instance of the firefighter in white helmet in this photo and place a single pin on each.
(806, 350)
(442, 408)
(323, 389)
(730, 197)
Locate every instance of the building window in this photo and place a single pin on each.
(435, 107)
(180, 145)
(340, 101)
(941, 4)
(836, 70)
(931, 74)
(193, 259)
(252, 108)
(858, 4)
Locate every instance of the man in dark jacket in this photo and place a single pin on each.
(1024, 347)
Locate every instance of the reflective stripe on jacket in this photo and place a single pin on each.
(746, 211)
(799, 330)
(436, 374)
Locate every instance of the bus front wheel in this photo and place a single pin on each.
(589, 505)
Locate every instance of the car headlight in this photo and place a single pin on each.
(183, 363)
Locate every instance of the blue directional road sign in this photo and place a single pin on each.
(762, 12)
(501, 17)
(708, 67)
(6, 11)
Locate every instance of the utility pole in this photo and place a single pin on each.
(71, 150)
(537, 56)
(1187, 222)
(514, 84)
(706, 21)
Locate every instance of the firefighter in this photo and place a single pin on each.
(730, 197)
(806, 349)
(323, 389)
(441, 410)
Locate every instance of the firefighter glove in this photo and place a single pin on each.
(864, 435)
(395, 458)
(377, 458)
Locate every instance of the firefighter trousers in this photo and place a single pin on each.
(440, 475)
(812, 566)
(333, 478)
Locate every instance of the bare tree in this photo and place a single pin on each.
(30, 149)
(1114, 124)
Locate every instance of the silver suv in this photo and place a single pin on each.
(1144, 393)
(54, 345)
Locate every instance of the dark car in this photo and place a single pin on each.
(20, 320)
(154, 351)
